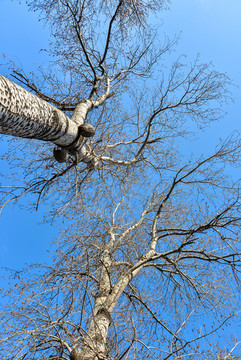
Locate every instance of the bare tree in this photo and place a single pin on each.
(149, 259)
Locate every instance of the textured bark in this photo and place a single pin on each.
(25, 115)
(94, 346)
(95, 342)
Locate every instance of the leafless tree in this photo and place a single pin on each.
(149, 259)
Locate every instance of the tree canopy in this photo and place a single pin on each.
(147, 263)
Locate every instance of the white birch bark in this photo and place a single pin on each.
(94, 347)
(23, 114)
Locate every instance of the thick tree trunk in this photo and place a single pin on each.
(25, 115)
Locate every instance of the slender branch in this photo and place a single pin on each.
(109, 33)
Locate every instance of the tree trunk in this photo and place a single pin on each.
(95, 342)
(94, 346)
(25, 115)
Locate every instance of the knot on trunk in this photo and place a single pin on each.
(104, 312)
(76, 355)
(86, 130)
(61, 155)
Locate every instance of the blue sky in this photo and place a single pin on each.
(211, 28)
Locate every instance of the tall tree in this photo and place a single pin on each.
(151, 249)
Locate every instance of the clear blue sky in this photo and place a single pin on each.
(209, 27)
